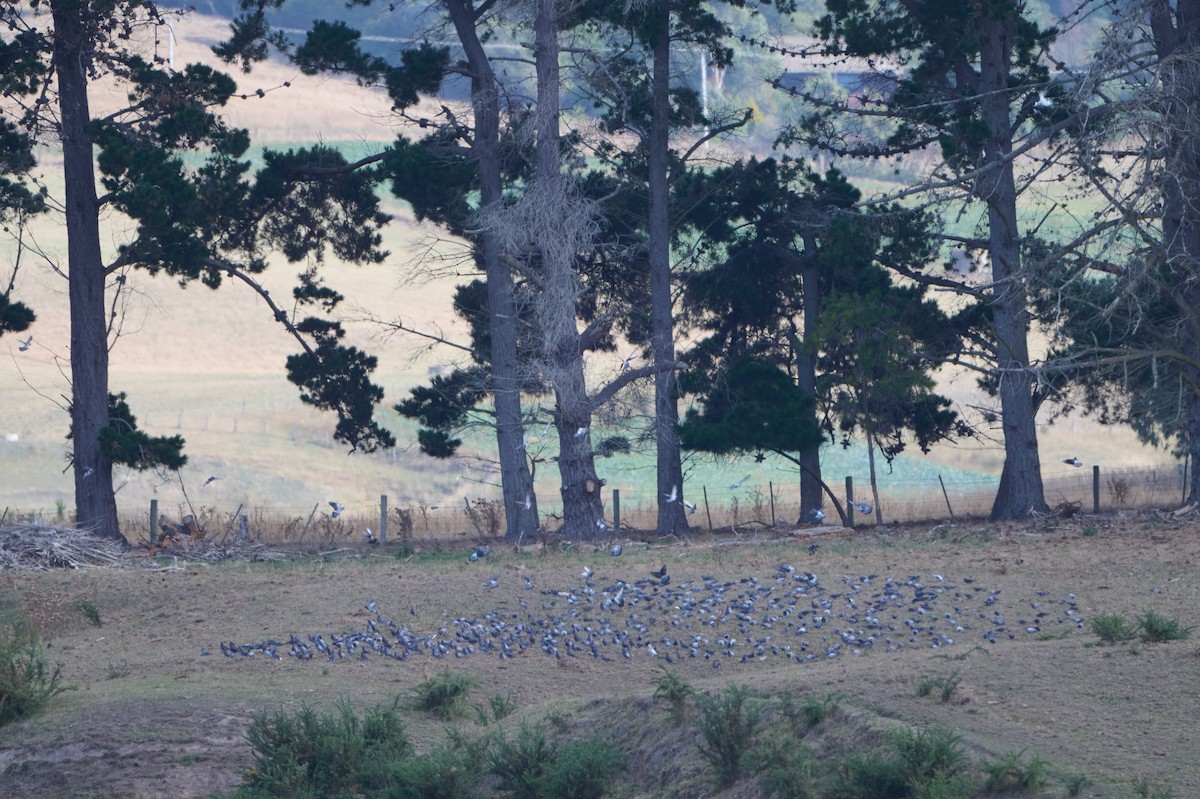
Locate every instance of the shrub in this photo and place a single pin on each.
(582, 770)
(499, 706)
(1074, 784)
(811, 711)
(324, 754)
(447, 772)
(870, 774)
(445, 696)
(789, 769)
(728, 722)
(1112, 628)
(924, 754)
(676, 690)
(520, 764)
(27, 683)
(1156, 629)
(90, 611)
(1007, 773)
(945, 687)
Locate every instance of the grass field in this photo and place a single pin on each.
(157, 711)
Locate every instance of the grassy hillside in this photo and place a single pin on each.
(209, 366)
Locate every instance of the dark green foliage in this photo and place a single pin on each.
(1008, 773)
(788, 769)
(676, 690)
(1112, 628)
(27, 683)
(924, 754)
(533, 766)
(728, 723)
(869, 774)
(337, 378)
(449, 771)
(445, 695)
(122, 442)
(324, 755)
(14, 316)
(755, 405)
(1154, 628)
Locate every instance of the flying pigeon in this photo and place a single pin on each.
(816, 514)
(210, 480)
(371, 539)
(625, 364)
(528, 502)
(26, 344)
(691, 506)
(812, 549)
(674, 495)
(602, 525)
(87, 472)
(1073, 462)
(616, 550)
(863, 507)
(738, 484)
(581, 432)
(587, 573)
(337, 508)
(661, 573)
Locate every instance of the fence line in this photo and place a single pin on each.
(1100, 490)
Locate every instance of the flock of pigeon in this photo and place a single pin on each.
(790, 613)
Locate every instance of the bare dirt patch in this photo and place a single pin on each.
(152, 716)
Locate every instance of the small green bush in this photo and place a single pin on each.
(1074, 783)
(90, 611)
(676, 690)
(313, 754)
(728, 723)
(27, 683)
(924, 754)
(813, 711)
(445, 695)
(870, 774)
(1154, 628)
(945, 687)
(1112, 628)
(520, 764)
(447, 772)
(788, 768)
(1008, 774)
(582, 770)
(499, 707)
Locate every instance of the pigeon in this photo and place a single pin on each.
(371, 606)
(602, 525)
(863, 507)
(674, 495)
(738, 484)
(625, 364)
(812, 549)
(581, 432)
(1073, 462)
(371, 539)
(616, 550)
(26, 344)
(493, 581)
(210, 480)
(587, 573)
(337, 508)
(528, 582)
(816, 515)
(479, 552)
(528, 502)
(1043, 101)
(691, 506)
(87, 472)
(661, 573)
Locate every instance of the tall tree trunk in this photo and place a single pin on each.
(671, 516)
(515, 479)
(557, 239)
(811, 495)
(95, 503)
(1177, 44)
(1020, 492)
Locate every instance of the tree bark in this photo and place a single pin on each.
(516, 480)
(811, 495)
(583, 511)
(95, 503)
(671, 516)
(1020, 492)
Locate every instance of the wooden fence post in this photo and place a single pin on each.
(849, 501)
(153, 522)
(307, 523)
(771, 492)
(947, 496)
(707, 511)
(616, 510)
(383, 518)
(1095, 488)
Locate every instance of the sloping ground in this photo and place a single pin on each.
(152, 716)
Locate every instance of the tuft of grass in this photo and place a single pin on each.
(1008, 774)
(1154, 628)
(1073, 784)
(1112, 628)
(1145, 789)
(728, 722)
(676, 690)
(445, 695)
(810, 711)
(499, 706)
(27, 682)
(945, 687)
(90, 611)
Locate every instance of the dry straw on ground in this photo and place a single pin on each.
(36, 547)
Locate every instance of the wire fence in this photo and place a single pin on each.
(1097, 490)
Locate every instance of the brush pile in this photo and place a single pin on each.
(40, 547)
